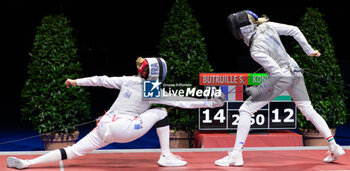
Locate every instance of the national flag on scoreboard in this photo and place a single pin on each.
(233, 93)
(236, 93)
(284, 96)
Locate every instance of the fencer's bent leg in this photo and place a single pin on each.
(159, 117)
(246, 111)
(252, 105)
(128, 129)
(146, 120)
(96, 138)
(301, 98)
(162, 128)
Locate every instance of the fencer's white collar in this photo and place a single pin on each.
(247, 32)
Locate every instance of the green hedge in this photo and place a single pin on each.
(326, 90)
(48, 104)
(183, 47)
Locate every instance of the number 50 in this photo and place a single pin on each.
(260, 119)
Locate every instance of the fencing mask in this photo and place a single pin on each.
(240, 25)
(157, 69)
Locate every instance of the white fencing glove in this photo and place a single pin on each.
(252, 91)
(263, 87)
(217, 101)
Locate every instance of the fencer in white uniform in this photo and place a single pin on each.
(129, 117)
(263, 39)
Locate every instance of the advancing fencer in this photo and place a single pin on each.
(129, 118)
(266, 48)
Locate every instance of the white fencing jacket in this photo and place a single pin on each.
(267, 49)
(129, 100)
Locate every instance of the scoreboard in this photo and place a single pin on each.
(275, 115)
(280, 113)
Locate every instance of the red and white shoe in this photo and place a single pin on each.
(334, 154)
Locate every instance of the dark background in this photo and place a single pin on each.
(112, 34)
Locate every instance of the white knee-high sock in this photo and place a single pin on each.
(242, 130)
(163, 134)
(322, 127)
(52, 156)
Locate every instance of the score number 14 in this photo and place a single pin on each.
(219, 116)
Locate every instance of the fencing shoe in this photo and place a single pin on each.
(13, 162)
(233, 158)
(334, 154)
(169, 160)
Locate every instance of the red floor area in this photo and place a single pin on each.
(273, 138)
(254, 160)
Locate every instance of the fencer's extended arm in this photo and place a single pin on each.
(289, 30)
(189, 102)
(101, 81)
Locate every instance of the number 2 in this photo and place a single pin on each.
(288, 118)
(236, 119)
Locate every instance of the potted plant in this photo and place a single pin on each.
(323, 78)
(183, 47)
(53, 109)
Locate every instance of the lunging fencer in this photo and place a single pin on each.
(263, 39)
(129, 117)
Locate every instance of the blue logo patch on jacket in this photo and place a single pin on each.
(137, 126)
